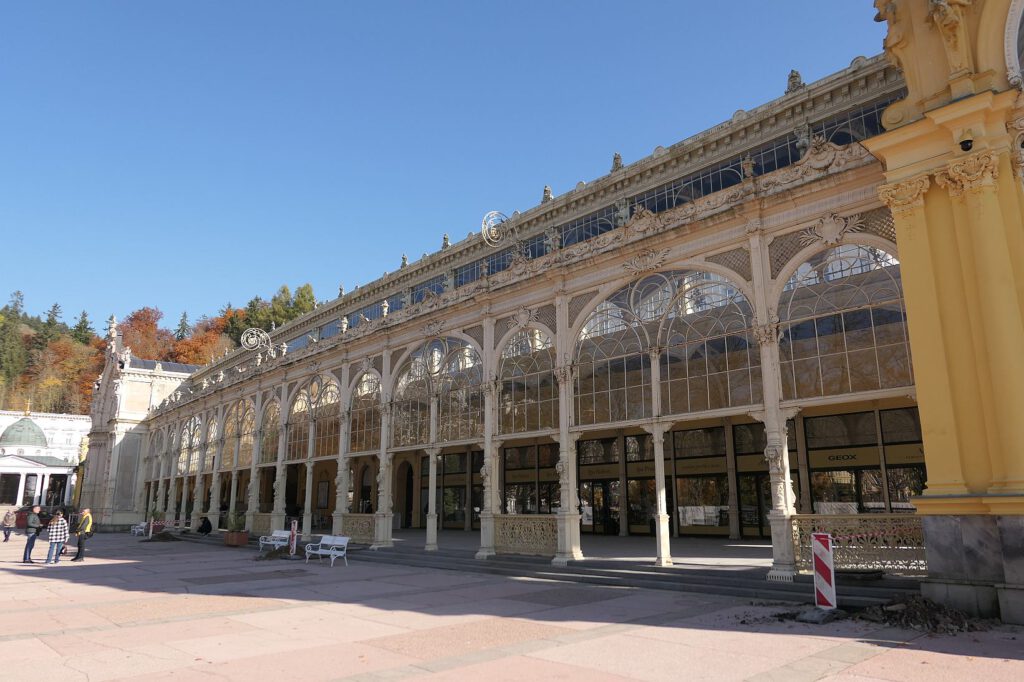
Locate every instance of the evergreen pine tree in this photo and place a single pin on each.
(183, 330)
(83, 332)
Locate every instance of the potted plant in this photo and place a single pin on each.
(237, 535)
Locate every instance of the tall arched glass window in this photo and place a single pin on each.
(461, 400)
(239, 424)
(316, 406)
(157, 455)
(529, 392)
(188, 452)
(411, 414)
(270, 431)
(364, 424)
(613, 369)
(451, 367)
(844, 324)
(710, 359)
(298, 427)
(324, 399)
(210, 444)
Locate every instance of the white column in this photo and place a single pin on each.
(664, 550)
(213, 510)
(568, 513)
(341, 482)
(21, 488)
(433, 454)
(277, 514)
(382, 517)
(307, 512)
(492, 499)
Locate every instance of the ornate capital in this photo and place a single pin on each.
(903, 197)
(765, 334)
(563, 374)
(969, 174)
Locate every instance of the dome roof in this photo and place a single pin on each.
(25, 433)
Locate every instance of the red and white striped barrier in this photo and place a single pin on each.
(824, 571)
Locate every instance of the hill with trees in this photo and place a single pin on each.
(53, 365)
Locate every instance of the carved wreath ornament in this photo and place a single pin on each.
(831, 229)
(646, 260)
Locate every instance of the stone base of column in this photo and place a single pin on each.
(382, 530)
(337, 520)
(568, 539)
(431, 545)
(975, 564)
(664, 557)
(783, 555)
(277, 520)
(307, 526)
(486, 536)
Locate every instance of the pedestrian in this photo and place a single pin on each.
(205, 527)
(10, 519)
(58, 533)
(84, 532)
(33, 527)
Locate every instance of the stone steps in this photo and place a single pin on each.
(748, 583)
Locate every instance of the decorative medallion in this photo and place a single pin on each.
(646, 260)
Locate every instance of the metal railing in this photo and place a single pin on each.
(893, 543)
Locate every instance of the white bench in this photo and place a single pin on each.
(276, 540)
(333, 546)
(140, 528)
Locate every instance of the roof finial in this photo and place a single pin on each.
(28, 407)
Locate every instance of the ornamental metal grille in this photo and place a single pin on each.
(270, 429)
(893, 543)
(364, 422)
(879, 222)
(577, 303)
(737, 260)
(782, 249)
(546, 316)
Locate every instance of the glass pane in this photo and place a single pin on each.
(904, 483)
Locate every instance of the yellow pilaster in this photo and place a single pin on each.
(952, 157)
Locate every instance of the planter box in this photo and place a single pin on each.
(236, 538)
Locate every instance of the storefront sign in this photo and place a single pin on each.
(842, 458)
(454, 480)
(640, 469)
(592, 471)
(906, 453)
(548, 474)
(700, 465)
(520, 476)
(757, 463)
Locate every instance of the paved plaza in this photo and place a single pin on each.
(181, 610)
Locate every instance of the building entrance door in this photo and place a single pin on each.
(600, 501)
(755, 503)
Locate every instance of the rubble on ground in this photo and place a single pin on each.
(924, 615)
(163, 536)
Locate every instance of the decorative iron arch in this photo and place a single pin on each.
(528, 391)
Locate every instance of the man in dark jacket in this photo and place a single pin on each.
(33, 527)
(84, 532)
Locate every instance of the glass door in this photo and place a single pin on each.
(755, 503)
(599, 502)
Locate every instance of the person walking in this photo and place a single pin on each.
(10, 520)
(58, 533)
(84, 532)
(33, 527)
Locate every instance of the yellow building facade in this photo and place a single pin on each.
(952, 161)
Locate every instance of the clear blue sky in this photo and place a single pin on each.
(188, 154)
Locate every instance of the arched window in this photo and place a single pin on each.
(316, 404)
(156, 456)
(461, 408)
(529, 392)
(325, 398)
(364, 428)
(613, 370)
(270, 430)
(188, 452)
(210, 444)
(711, 360)
(451, 367)
(238, 436)
(844, 324)
(298, 427)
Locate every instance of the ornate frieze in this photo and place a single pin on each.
(522, 318)
(902, 197)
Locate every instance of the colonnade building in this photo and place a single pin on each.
(699, 343)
